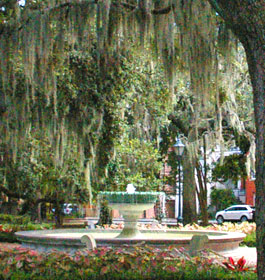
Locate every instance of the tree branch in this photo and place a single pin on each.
(125, 5)
(163, 11)
(131, 7)
(216, 7)
(70, 4)
(50, 10)
(25, 197)
(9, 193)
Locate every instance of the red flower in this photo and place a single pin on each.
(240, 263)
(239, 266)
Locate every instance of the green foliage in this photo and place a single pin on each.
(105, 217)
(242, 142)
(20, 220)
(38, 173)
(13, 226)
(107, 263)
(233, 168)
(10, 224)
(250, 240)
(136, 162)
(222, 198)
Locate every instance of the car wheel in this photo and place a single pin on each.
(244, 219)
(220, 219)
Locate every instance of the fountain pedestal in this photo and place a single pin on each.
(131, 213)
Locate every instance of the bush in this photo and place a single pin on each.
(139, 263)
(10, 224)
(222, 198)
(19, 220)
(8, 237)
(250, 240)
(104, 214)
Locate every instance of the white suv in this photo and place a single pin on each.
(236, 213)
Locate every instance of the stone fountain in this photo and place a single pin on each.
(131, 205)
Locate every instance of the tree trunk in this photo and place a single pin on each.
(247, 20)
(202, 193)
(58, 215)
(255, 57)
(189, 194)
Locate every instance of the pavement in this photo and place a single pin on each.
(249, 253)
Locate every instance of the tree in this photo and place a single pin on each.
(184, 36)
(247, 20)
(233, 167)
(35, 178)
(222, 198)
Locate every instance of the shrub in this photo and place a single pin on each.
(19, 220)
(222, 198)
(7, 237)
(11, 224)
(250, 240)
(106, 263)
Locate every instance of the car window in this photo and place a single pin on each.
(242, 208)
(231, 209)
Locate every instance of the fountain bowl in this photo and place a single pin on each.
(70, 239)
(130, 205)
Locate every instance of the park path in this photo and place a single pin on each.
(249, 253)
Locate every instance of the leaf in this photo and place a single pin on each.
(10, 260)
(171, 268)
(231, 260)
(6, 270)
(228, 266)
(241, 262)
(104, 270)
(121, 259)
(33, 253)
(19, 264)
(19, 257)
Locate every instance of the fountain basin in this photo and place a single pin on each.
(130, 205)
(70, 239)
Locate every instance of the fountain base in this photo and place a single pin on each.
(70, 239)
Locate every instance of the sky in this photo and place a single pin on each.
(21, 2)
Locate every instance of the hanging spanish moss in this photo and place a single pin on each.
(165, 34)
(61, 69)
(195, 21)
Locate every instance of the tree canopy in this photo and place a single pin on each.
(35, 40)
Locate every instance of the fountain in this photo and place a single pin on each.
(131, 205)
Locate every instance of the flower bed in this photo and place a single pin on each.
(107, 263)
(245, 227)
